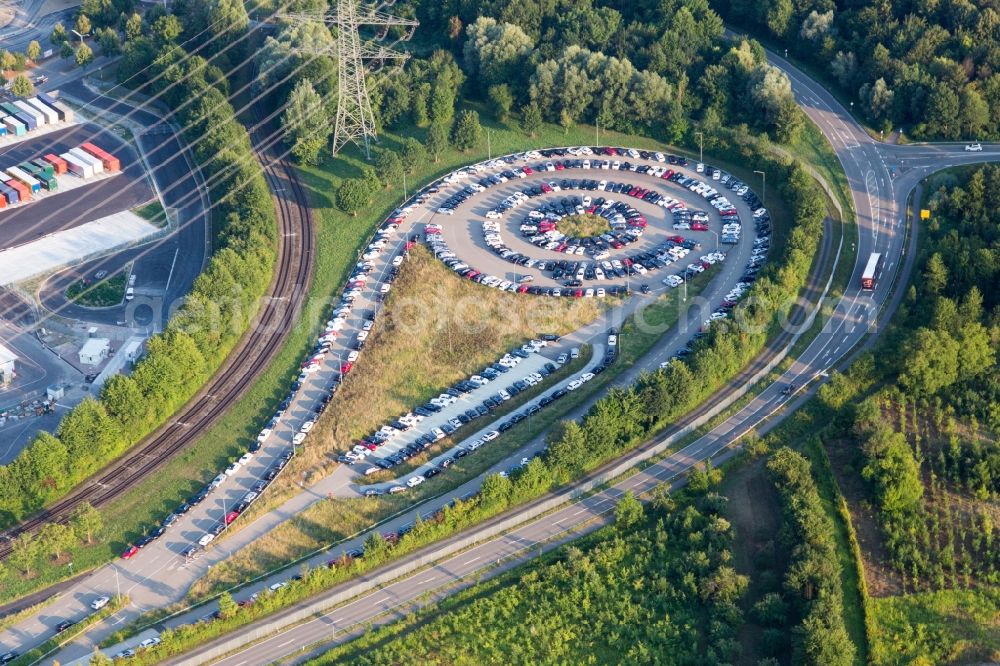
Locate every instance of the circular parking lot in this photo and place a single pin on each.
(590, 221)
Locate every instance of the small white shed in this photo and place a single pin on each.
(94, 351)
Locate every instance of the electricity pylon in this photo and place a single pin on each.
(355, 121)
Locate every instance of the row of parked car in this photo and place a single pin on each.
(322, 347)
(393, 432)
(501, 396)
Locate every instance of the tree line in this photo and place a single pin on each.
(812, 581)
(929, 68)
(204, 329)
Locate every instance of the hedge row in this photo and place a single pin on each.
(199, 335)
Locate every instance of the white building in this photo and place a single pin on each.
(7, 361)
(94, 351)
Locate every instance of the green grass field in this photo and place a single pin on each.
(109, 291)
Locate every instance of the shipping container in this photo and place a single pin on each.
(58, 162)
(65, 113)
(23, 191)
(19, 174)
(30, 169)
(109, 161)
(14, 126)
(51, 115)
(9, 194)
(77, 166)
(27, 120)
(40, 119)
(47, 168)
(3, 201)
(3, 127)
(89, 159)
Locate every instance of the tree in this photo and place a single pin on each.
(24, 554)
(467, 132)
(227, 606)
(34, 50)
(167, 28)
(502, 100)
(531, 118)
(494, 51)
(86, 521)
(412, 154)
(21, 86)
(84, 55)
(133, 27)
(228, 16)
(628, 511)
(437, 140)
(66, 51)
(935, 274)
(109, 41)
(82, 24)
(6, 60)
(59, 34)
(54, 539)
(388, 166)
(353, 195)
(305, 122)
(974, 112)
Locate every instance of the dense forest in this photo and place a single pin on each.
(657, 587)
(930, 68)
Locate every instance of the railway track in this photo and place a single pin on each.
(248, 359)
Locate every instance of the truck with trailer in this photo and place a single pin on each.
(57, 162)
(47, 180)
(13, 126)
(110, 162)
(23, 191)
(27, 120)
(40, 119)
(76, 166)
(8, 193)
(51, 115)
(88, 158)
(25, 178)
(65, 113)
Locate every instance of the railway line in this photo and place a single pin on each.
(253, 354)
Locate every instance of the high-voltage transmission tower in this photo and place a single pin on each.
(355, 57)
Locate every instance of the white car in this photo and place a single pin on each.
(99, 602)
(299, 438)
(247, 457)
(612, 340)
(232, 469)
(974, 148)
(490, 436)
(217, 481)
(415, 481)
(206, 539)
(277, 586)
(150, 642)
(352, 356)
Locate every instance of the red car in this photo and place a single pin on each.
(346, 367)
(546, 188)
(578, 293)
(409, 245)
(231, 516)
(129, 552)
(667, 174)
(699, 226)
(676, 239)
(560, 166)
(523, 288)
(527, 171)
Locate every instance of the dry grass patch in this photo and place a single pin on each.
(436, 329)
(583, 225)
